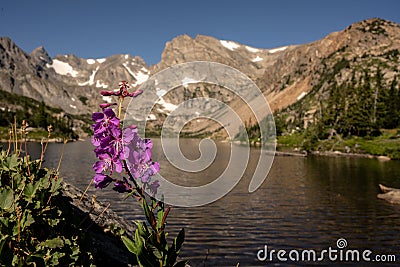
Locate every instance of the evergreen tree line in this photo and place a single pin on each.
(361, 108)
(37, 114)
(253, 130)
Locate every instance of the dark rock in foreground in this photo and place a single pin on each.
(98, 220)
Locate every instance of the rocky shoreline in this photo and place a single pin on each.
(331, 154)
(350, 155)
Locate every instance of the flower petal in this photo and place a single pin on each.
(101, 180)
(97, 116)
(99, 166)
(109, 113)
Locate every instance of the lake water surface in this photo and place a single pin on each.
(305, 203)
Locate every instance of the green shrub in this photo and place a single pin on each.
(33, 228)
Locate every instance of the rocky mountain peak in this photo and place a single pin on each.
(40, 56)
(11, 55)
(6, 44)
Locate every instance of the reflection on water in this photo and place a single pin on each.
(304, 203)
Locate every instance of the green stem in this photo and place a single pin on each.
(121, 99)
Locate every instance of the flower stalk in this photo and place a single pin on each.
(123, 151)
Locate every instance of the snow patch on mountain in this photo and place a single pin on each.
(167, 107)
(62, 68)
(252, 49)
(277, 49)
(230, 45)
(257, 59)
(91, 78)
(100, 84)
(141, 76)
(90, 61)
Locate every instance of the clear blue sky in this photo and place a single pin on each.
(96, 29)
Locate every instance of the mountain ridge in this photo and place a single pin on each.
(284, 74)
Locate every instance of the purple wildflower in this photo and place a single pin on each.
(106, 120)
(102, 180)
(139, 159)
(107, 162)
(153, 187)
(115, 146)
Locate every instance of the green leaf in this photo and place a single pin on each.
(149, 214)
(171, 257)
(179, 240)
(160, 216)
(18, 180)
(30, 190)
(3, 240)
(155, 251)
(53, 243)
(139, 241)
(176, 246)
(129, 244)
(146, 261)
(55, 185)
(55, 257)
(12, 162)
(27, 219)
(6, 198)
(44, 181)
(4, 221)
(142, 254)
(15, 260)
(142, 228)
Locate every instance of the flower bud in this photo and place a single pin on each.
(106, 105)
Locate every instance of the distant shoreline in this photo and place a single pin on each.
(285, 153)
(50, 140)
(331, 154)
(349, 155)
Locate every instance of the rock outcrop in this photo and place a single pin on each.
(102, 224)
(389, 194)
